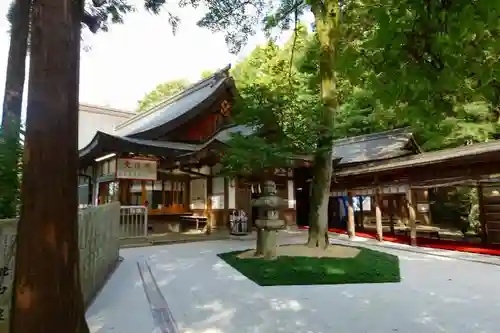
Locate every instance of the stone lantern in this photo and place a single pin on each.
(268, 222)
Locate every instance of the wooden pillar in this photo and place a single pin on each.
(208, 210)
(187, 194)
(378, 214)
(482, 215)
(123, 191)
(143, 192)
(163, 197)
(361, 223)
(393, 206)
(226, 202)
(351, 228)
(412, 217)
(403, 209)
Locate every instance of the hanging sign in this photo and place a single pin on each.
(134, 168)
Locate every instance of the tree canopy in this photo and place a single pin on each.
(410, 69)
(428, 65)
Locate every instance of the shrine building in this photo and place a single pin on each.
(167, 158)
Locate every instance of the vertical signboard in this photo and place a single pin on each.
(8, 245)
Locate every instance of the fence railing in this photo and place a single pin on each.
(98, 240)
(133, 221)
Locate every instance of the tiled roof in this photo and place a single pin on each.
(372, 147)
(174, 107)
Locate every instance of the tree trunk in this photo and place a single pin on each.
(47, 297)
(12, 106)
(326, 14)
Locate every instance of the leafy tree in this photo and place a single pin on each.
(206, 73)
(46, 281)
(162, 92)
(97, 15)
(278, 105)
(9, 179)
(239, 20)
(12, 104)
(432, 65)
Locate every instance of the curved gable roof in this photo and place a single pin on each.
(104, 143)
(167, 115)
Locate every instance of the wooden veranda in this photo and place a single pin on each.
(472, 165)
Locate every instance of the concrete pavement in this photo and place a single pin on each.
(204, 295)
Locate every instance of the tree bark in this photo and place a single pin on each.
(47, 297)
(12, 105)
(326, 15)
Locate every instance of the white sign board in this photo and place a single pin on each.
(134, 168)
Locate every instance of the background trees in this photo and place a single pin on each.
(97, 15)
(239, 20)
(162, 92)
(431, 65)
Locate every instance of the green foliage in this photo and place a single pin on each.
(240, 20)
(279, 103)
(456, 207)
(368, 266)
(431, 65)
(98, 15)
(206, 73)
(162, 92)
(10, 152)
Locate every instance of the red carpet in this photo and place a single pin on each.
(443, 244)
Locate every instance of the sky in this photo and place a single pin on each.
(123, 64)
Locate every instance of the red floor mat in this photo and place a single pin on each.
(450, 245)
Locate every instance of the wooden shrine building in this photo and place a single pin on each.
(168, 159)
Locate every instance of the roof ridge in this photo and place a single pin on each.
(189, 90)
(372, 136)
(95, 108)
(428, 157)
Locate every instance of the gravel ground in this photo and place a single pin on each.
(438, 293)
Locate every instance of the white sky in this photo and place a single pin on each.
(131, 59)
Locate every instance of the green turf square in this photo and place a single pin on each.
(368, 266)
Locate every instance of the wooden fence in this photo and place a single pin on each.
(98, 239)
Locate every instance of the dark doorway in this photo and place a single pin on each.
(302, 184)
(333, 213)
(255, 210)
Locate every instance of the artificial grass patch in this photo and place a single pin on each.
(368, 266)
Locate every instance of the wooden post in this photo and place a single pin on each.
(403, 209)
(351, 228)
(392, 205)
(412, 217)
(163, 198)
(482, 215)
(226, 202)
(187, 194)
(378, 214)
(361, 223)
(208, 210)
(143, 192)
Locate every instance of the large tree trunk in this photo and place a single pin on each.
(47, 297)
(326, 14)
(12, 106)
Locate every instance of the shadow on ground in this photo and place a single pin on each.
(206, 295)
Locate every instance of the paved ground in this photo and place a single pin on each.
(437, 294)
